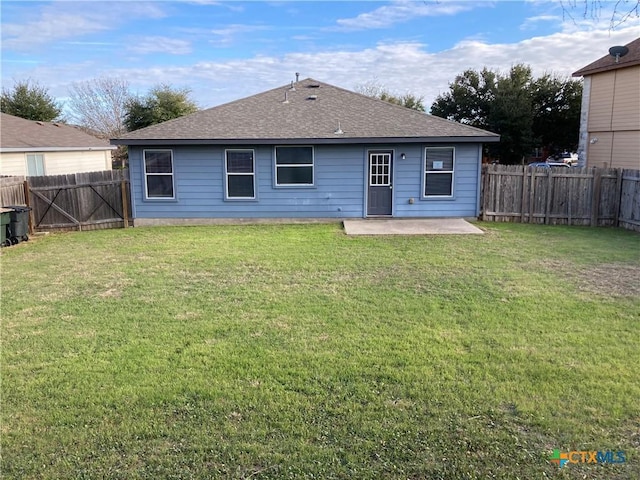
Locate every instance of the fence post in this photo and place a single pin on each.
(547, 208)
(485, 191)
(524, 193)
(27, 201)
(125, 206)
(595, 196)
(618, 197)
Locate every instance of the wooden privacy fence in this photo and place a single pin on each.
(576, 196)
(81, 201)
(12, 191)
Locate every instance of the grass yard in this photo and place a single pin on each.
(294, 351)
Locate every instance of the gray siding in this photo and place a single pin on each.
(339, 192)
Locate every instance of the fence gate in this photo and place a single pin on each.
(81, 201)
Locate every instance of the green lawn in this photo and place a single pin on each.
(294, 351)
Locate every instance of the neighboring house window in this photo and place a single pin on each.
(294, 166)
(240, 174)
(158, 173)
(35, 165)
(438, 174)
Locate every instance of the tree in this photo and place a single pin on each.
(511, 114)
(99, 106)
(408, 100)
(556, 106)
(523, 110)
(375, 90)
(162, 103)
(469, 99)
(31, 101)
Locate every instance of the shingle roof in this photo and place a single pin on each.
(608, 62)
(311, 111)
(18, 134)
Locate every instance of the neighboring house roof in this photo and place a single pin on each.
(21, 135)
(310, 111)
(608, 62)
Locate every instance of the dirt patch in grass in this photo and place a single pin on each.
(611, 279)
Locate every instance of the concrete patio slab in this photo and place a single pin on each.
(421, 226)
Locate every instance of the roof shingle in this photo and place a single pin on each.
(311, 110)
(608, 62)
(28, 135)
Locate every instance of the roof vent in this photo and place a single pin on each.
(312, 97)
(313, 85)
(292, 87)
(286, 97)
(39, 122)
(338, 130)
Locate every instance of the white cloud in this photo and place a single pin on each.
(403, 10)
(531, 22)
(63, 20)
(146, 45)
(227, 35)
(400, 67)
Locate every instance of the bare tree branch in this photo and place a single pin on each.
(98, 105)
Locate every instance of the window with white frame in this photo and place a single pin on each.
(240, 174)
(158, 174)
(438, 174)
(35, 165)
(294, 165)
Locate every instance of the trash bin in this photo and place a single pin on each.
(5, 220)
(19, 224)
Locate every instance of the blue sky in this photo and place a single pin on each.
(225, 50)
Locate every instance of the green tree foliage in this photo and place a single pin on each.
(162, 103)
(556, 112)
(31, 101)
(374, 90)
(469, 99)
(511, 114)
(407, 100)
(526, 112)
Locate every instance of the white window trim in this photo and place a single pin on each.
(432, 172)
(226, 173)
(312, 165)
(388, 174)
(145, 174)
(26, 163)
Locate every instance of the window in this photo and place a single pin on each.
(294, 166)
(158, 173)
(438, 176)
(35, 164)
(240, 174)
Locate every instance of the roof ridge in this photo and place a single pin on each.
(269, 116)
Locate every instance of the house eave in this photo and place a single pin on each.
(55, 149)
(305, 141)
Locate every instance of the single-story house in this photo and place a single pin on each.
(610, 114)
(32, 148)
(304, 150)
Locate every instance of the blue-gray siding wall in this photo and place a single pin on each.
(340, 173)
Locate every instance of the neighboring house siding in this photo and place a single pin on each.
(614, 119)
(626, 104)
(58, 163)
(339, 191)
(13, 164)
(601, 101)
